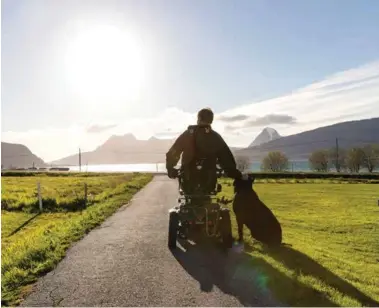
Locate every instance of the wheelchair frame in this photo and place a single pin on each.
(185, 218)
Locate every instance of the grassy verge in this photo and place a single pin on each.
(41, 243)
(316, 175)
(58, 193)
(300, 180)
(331, 256)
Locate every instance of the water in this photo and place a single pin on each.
(294, 166)
(122, 168)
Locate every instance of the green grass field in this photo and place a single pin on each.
(58, 193)
(331, 232)
(32, 242)
(330, 227)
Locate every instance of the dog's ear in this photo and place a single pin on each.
(249, 182)
(242, 185)
(252, 178)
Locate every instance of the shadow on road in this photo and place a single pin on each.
(251, 280)
(302, 264)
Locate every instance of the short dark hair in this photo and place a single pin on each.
(205, 115)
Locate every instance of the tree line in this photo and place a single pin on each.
(341, 160)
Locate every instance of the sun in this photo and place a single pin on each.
(104, 62)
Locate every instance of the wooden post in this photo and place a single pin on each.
(85, 194)
(39, 196)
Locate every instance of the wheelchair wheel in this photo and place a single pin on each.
(226, 229)
(173, 230)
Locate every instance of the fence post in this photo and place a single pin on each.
(85, 194)
(39, 196)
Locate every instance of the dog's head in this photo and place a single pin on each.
(243, 185)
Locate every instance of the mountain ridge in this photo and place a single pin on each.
(123, 149)
(266, 135)
(15, 155)
(300, 146)
(127, 149)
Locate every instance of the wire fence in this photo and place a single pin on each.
(45, 197)
(55, 193)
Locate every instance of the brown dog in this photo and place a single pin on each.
(254, 214)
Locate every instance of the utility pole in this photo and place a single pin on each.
(80, 161)
(337, 162)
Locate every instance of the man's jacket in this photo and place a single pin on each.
(200, 141)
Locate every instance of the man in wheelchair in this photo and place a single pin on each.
(202, 149)
(201, 146)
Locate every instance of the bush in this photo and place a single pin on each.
(243, 163)
(319, 161)
(275, 161)
(354, 159)
(371, 157)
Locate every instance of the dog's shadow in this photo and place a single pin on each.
(251, 280)
(301, 264)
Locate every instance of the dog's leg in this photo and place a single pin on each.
(240, 228)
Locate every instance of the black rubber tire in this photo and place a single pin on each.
(173, 225)
(226, 229)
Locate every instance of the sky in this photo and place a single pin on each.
(73, 73)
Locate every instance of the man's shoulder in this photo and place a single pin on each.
(216, 134)
(191, 129)
(201, 128)
(207, 130)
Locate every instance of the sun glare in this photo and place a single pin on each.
(104, 63)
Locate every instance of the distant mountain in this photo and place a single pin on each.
(127, 149)
(268, 134)
(234, 149)
(124, 149)
(300, 146)
(19, 156)
(118, 143)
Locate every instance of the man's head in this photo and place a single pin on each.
(205, 116)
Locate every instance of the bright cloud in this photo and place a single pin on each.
(347, 95)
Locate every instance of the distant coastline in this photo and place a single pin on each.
(293, 166)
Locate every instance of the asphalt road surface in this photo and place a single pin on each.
(126, 262)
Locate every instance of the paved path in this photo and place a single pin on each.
(126, 262)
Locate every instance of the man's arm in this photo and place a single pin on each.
(227, 161)
(173, 154)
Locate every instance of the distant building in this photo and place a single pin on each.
(59, 169)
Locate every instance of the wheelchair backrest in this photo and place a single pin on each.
(199, 177)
